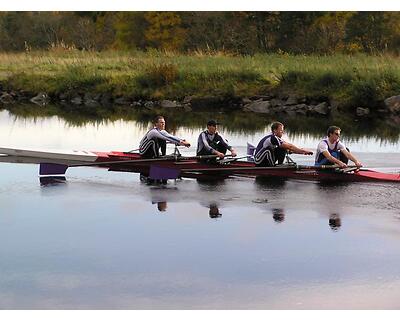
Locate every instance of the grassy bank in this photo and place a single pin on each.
(352, 81)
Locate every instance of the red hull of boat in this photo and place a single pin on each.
(194, 168)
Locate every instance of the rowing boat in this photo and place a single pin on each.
(61, 156)
(179, 166)
(194, 168)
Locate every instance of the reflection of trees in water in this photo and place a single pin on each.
(235, 122)
(352, 130)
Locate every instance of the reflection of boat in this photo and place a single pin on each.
(179, 166)
(44, 181)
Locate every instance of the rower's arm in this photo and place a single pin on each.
(170, 138)
(184, 143)
(291, 147)
(350, 156)
(204, 142)
(227, 145)
(333, 159)
(163, 135)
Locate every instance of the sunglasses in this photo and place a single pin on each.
(336, 134)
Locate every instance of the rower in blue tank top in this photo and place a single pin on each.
(331, 150)
(272, 148)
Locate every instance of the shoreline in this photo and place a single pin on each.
(359, 86)
(290, 105)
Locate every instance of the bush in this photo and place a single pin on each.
(79, 77)
(158, 75)
(363, 93)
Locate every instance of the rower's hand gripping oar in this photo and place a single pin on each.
(60, 169)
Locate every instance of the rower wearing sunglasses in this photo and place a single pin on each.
(332, 151)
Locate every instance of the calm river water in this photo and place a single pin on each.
(104, 240)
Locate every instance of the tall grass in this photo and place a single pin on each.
(358, 80)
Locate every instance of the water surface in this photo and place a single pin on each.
(104, 240)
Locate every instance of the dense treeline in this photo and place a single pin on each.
(233, 32)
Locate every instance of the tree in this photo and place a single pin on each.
(129, 30)
(327, 33)
(105, 31)
(292, 32)
(164, 30)
(267, 26)
(17, 30)
(373, 31)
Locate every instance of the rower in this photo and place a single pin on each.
(272, 148)
(332, 151)
(156, 139)
(211, 142)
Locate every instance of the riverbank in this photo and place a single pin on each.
(308, 85)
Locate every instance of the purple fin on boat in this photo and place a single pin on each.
(46, 169)
(159, 173)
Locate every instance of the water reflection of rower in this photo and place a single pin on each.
(278, 215)
(161, 206)
(335, 222)
(214, 211)
(159, 196)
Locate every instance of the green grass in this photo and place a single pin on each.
(352, 81)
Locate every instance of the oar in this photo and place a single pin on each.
(158, 172)
(59, 169)
(230, 159)
(278, 167)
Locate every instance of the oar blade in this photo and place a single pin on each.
(46, 169)
(163, 173)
